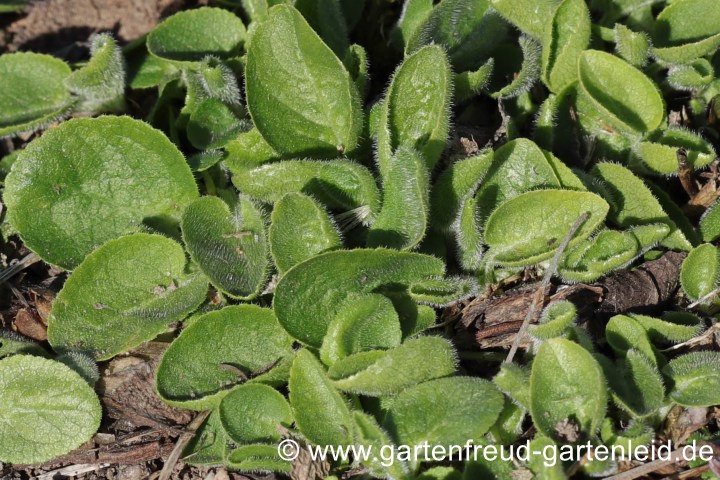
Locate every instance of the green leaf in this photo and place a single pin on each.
(637, 385)
(357, 63)
(414, 13)
(554, 321)
(514, 381)
(258, 458)
(321, 412)
(12, 343)
(249, 149)
(659, 155)
(301, 98)
(123, 294)
(458, 183)
(396, 369)
(464, 28)
(710, 223)
(101, 83)
(529, 70)
(92, 180)
(252, 413)
(563, 42)
(686, 30)
(310, 295)
(218, 350)
(632, 202)
(363, 322)
(48, 410)
(470, 83)
(416, 109)
(695, 75)
(229, 246)
(695, 379)
(403, 218)
(633, 104)
(148, 71)
(300, 228)
(212, 124)
(530, 16)
(566, 384)
(674, 327)
(326, 18)
(210, 445)
(608, 250)
(368, 433)
(636, 434)
(517, 167)
(700, 271)
(541, 466)
(33, 92)
(440, 292)
(184, 37)
(633, 47)
(470, 406)
(624, 333)
(527, 229)
(339, 184)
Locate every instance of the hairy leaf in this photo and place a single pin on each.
(300, 228)
(695, 379)
(48, 410)
(185, 36)
(686, 30)
(566, 385)
(220, 349)
(229, 246)
(252, 413)
(700, 271)
(310, 295)
(33, 91)
(91, 180)
(123, 294)
(567, 36)
(528, 228)
(321, 412)
(300, 96)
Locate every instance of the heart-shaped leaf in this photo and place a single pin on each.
(321, 412)
(566, 385)
(92, 180)
(299, 94)
(528, 228)
(310, 295)
(184, 37)
(33, 91)
(300, 228)
(47, 410)
(123, 294)
(229, 246)
(252, 413)
(220, 348)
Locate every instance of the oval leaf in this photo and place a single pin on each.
(696, 379)
(301, 98)
(229, 246)
(186, 37)
(253, 413)
(91, 180)
(47, 410)
(33, 91)
(220, 348)
(125, 293)
(566, 385)
(528, 228)
(310, 295)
